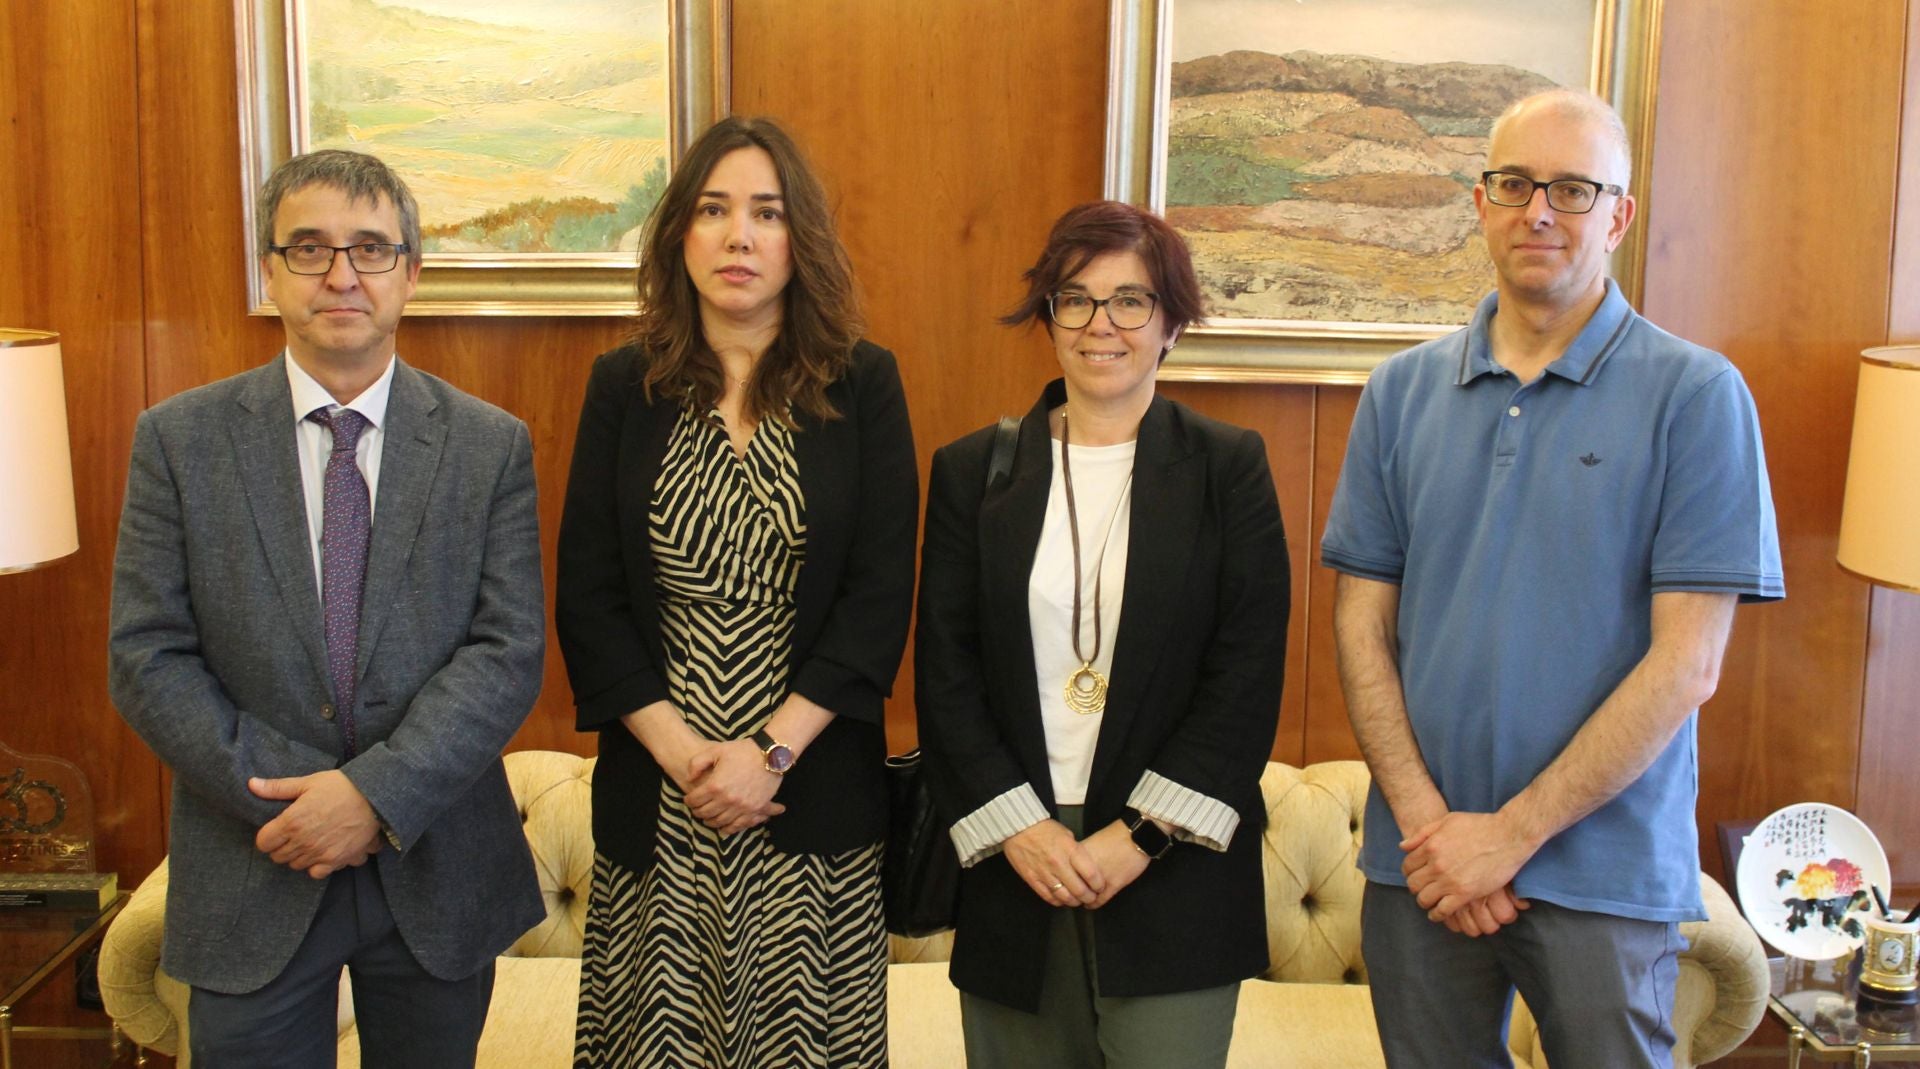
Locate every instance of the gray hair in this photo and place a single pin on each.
(358, 175)
(1578, 104)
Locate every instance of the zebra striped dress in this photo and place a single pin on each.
(726, 953)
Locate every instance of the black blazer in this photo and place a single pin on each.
(1195, 694)
(861, 485)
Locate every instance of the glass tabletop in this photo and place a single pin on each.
(33, 942)
(1819, 996)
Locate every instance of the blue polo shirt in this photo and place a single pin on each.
(1528, 528)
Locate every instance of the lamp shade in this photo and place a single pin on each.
(36, 472)
(1880, 520)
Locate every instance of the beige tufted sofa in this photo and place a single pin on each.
(1310, 1010)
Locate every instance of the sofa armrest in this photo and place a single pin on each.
(146, 1003)
(1723, 981)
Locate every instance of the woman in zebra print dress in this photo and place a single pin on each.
(735, 577)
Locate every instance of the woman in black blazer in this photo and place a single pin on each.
(735, 579)
(1097, 670)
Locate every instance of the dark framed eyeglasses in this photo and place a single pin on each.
(1574, 196)
(1127, 310)
(367, 258)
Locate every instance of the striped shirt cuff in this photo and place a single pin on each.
(1195, 817)
(980, 834)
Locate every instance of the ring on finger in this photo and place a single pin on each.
(1058, 887)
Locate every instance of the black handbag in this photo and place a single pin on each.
(920, 875)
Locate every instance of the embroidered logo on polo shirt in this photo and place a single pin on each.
(1589, 460)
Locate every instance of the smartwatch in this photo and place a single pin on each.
(1149, 839)
(778, 755)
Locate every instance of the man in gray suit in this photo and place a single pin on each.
(327, 619)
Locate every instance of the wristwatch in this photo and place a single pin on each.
(1149, 839)
(779, 756)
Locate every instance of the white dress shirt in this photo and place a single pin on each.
(315, 443)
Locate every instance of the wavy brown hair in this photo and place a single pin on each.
(820, 313)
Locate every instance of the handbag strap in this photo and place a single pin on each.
(1000, 462)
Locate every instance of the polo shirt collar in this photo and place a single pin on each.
(1578, 365)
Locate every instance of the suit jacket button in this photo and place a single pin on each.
(326, 711)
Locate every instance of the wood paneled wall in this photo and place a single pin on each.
(952, 135)
(1749, 255)
(70, 260)
(1890, 731)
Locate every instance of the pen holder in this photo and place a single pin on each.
(1887, 962)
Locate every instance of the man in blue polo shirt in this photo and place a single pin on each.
(1542, 528)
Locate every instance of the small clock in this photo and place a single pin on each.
(1892, 954)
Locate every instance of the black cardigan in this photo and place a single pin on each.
(1194, 696)
(861, 487)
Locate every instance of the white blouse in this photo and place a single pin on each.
(1102, 491)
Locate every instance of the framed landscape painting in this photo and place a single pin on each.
(536, 134)
(1319, 156)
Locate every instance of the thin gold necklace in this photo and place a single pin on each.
(1086, 690)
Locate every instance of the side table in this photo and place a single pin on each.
(34, 944)
(1815, 1000)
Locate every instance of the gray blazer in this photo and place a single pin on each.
(218, 662)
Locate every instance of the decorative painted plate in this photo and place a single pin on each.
(1806, 874)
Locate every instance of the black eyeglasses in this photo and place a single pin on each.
(368, 258)
(1127, 310)
(1574, 196)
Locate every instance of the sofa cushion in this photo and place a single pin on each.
(554, 792)
(1308, 852)
(923, 1016)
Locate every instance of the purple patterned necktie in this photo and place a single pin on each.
(346, 527)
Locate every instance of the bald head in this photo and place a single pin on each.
(1580, 111)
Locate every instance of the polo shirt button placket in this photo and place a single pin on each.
(1507, 437)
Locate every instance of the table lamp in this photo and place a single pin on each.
(1880, 542)
(37, 524)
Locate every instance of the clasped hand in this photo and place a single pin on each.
(328, 827)
(1461, 868)
(1064, 872)
(729, 788)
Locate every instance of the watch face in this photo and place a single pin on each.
(1150, 840)
(779, 758)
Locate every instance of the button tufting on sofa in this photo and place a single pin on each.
(1312, 1003)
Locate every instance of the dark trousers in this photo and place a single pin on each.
(1079, 1028)
(1601, 987)
(406, 1017)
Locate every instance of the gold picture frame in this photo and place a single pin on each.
(497, 283)
(1623, 69)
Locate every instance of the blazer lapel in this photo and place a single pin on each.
(1011, 516)
(416, 437)
(268, 456)
(1169, 491)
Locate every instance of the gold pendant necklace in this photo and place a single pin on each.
(1086, 690)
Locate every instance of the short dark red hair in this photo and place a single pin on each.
(1103, 226)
